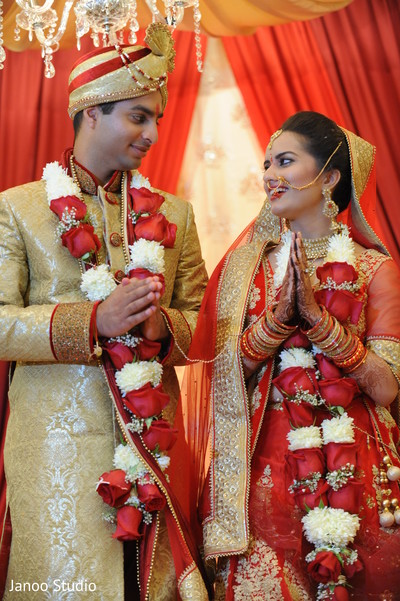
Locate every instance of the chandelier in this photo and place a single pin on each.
(106, 20)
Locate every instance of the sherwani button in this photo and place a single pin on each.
(115, 239)
(119, 275)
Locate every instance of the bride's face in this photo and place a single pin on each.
(288, 167)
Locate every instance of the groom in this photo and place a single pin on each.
(68, 408)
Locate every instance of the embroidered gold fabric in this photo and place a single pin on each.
(70, 332)
(191, 586)
(60, 435)
(226, 531)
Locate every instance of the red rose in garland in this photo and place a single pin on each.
(149, 494)
(146, 401)
(160, 433)
(72, 204)
(348, 497)
(325, 567)
(327, 368)
(302, 462)
(128, 523)
(300, 414)
(306, 499)
(113, 488)
(156, 227)
(338, 392)
(81, 240)
(293, 379)
(119, 353)
(339, 272)
(338, 454)
(297, 339)
(342, 304)
(144, 200)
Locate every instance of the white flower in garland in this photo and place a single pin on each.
(296, 357)
(330, 527)
(58, 182)
(163, 461)
(126, 460)
(147, 254)
(338, 429)
(341, 248)
(98, 283)
(135, 375)
(139, 181)
(282, 259)
(304, 438)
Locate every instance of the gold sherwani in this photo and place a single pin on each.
(60, 435)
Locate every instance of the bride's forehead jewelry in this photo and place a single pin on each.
(282, 179)
(273, 138)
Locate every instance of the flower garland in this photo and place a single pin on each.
(322, 453)
(129, 489)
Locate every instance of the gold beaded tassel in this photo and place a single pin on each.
(389, 513)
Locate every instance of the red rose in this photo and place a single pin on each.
(150, 495)
(325, 567)
(302, 462)
(128, 522)
(119, 353)
(342, 304)
(338, 392)
(81, 240)
(350, 569)
(348, 497)
(113, 488)
(58, 206)
(141, 274)
(309, 499)
(338, 272)
(340, 594)
(293, 379)
(156, 227)
(327, 367)
(338, 454)
(147, 401)
(299, 414)
(297, 339)
(160, 433)
(144, 200)
(147, 349)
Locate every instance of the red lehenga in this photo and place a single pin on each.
(251, 513)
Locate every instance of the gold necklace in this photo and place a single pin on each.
(316, 248)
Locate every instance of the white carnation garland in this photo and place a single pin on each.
(97, 283)
(326, 528)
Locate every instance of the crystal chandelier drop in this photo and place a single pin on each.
(105, 19)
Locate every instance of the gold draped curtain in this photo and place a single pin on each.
(219, 17)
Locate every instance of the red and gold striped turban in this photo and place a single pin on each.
(119, 73)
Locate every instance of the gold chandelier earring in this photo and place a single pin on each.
(330, 208)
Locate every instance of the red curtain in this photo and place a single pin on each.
(345, 65)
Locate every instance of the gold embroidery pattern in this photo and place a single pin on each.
(182, 334)
(266, 478)
(227, 529)
(389, 351)
(71, 332)
(258, 575)
(191, 586)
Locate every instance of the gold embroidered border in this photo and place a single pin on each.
(226, 532)
(389, 351)
(70, 332)
(182, 336)
(191, 585)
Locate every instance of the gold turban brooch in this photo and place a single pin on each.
(122, 72)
